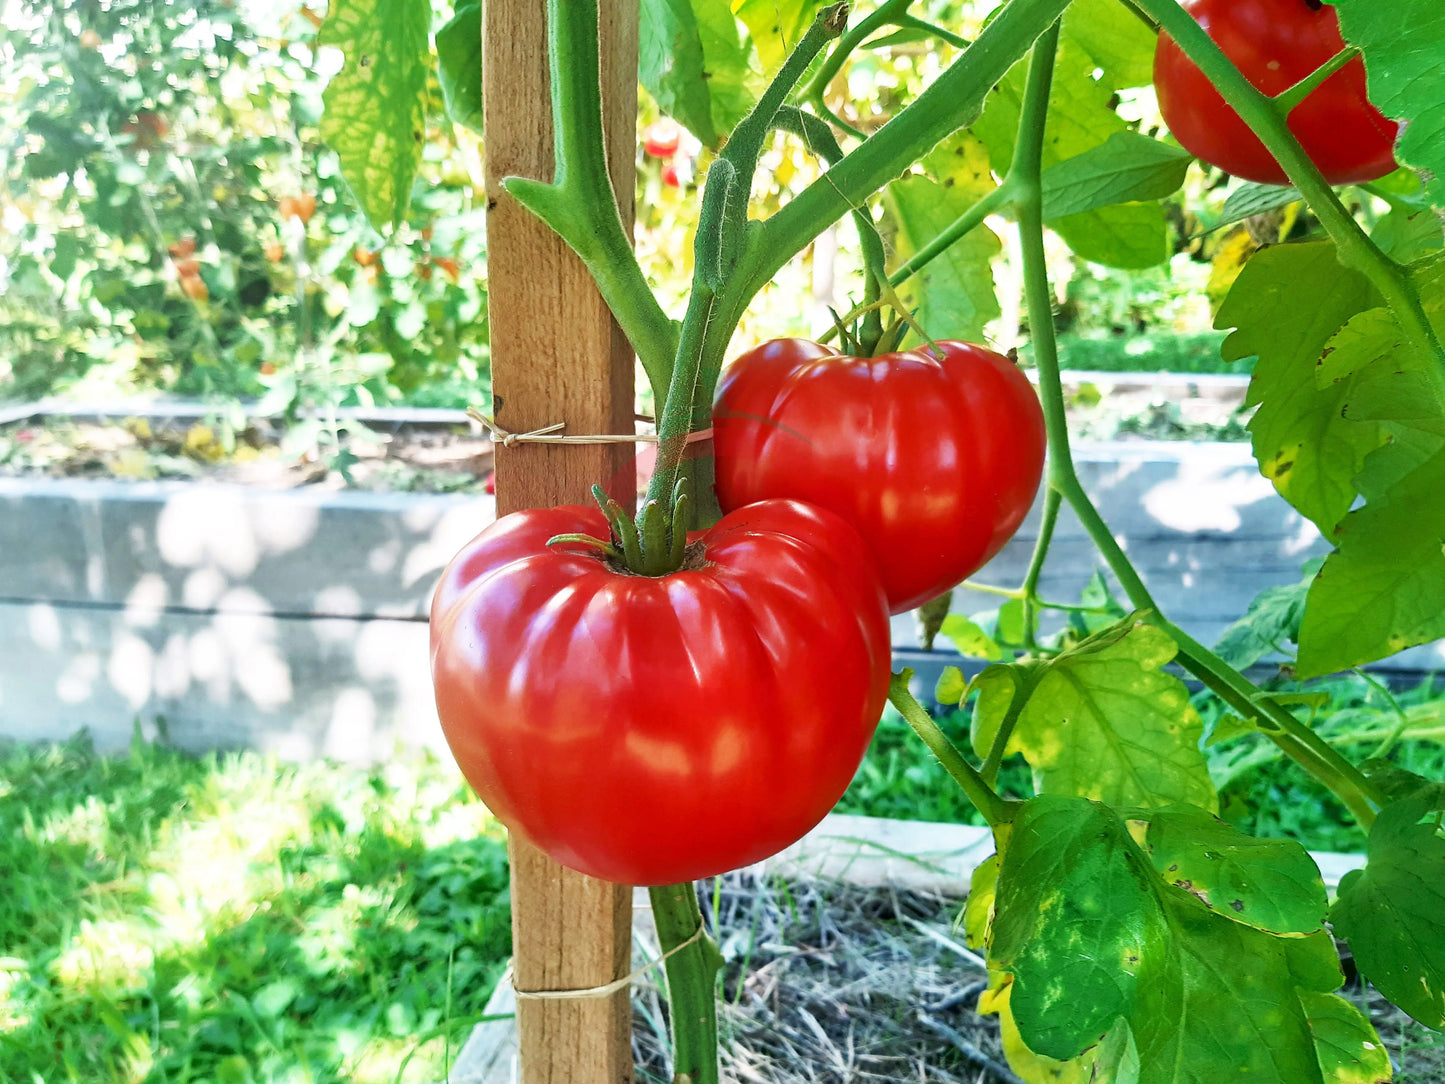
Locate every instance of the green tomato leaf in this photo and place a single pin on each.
(970, 639)
(951, 686)
(1252, 198)
(953, 296)
(776, 26)
(1408, 235)
(978, 907)
(1286, 304)
(1347, 1045)
(1120, 44)
(1075, 915)
(1273, 618)
(1128, 235)
(375, 115)
(1402, 43)
(1126, 166)
(1392, 912)
(1226, 994)
(996, 687)
(694, 63)
(1383, 589)
(1271, 884)
(459, 65)
(1104, 722)
(1090, 934)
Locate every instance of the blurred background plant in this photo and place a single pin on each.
(173, 224)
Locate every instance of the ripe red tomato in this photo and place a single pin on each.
(662, 139)
(653, 730)
(934, 461)
(673, 176)
(1275, 44)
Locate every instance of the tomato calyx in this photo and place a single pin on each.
(654, 544)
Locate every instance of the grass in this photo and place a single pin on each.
(237, 920)
(1260, 792)
(1155, 352)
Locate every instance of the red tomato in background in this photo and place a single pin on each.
(935, 462)
(1275, 43)
(662, 139)
(654, 730)
(672, 176)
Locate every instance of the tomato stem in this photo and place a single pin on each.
(994, 809)
(950, 101)
(691, 981)
(1030, 590)
(1028, 678)
(1287, 100)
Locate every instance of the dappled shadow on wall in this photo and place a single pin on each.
(288, 620)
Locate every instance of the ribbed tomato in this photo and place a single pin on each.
(1275, 44)
(934, 460)
(653, 730)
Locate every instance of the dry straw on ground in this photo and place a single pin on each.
(828, 982)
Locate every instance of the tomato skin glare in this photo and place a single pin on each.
(1275, 44)
(655, 730)
(934, 461)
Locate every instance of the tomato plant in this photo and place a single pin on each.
(1275, 43)
(935, 460)
(656, 729)
(1118, 939)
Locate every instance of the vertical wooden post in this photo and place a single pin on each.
(557, 356)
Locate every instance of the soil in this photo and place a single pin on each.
(407, 456)
(394, 457)
(830, 982)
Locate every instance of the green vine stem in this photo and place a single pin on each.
(951, 101)
(1287, 99)
(1028, 677)
(1030, 590)
(1293, 737)
(723, 230)
(691, 980)
(1268, 119)
(995, 810)
(885, 14)
(579, 204)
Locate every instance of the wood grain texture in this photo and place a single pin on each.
(557, 356)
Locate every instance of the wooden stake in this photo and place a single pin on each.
(557, 356)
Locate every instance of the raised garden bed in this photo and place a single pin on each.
(291, 614)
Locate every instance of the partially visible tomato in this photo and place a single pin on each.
(187, 266)
(1275, 44)
(302, 206)
(654, 730)
(186, 246)
(935, 461)
(672, 176)
(662, 139)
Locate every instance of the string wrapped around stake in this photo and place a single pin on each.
(550, 434)
(611, 987)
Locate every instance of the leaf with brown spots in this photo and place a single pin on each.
(1271, 884)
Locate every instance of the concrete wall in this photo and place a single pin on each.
(295, 620)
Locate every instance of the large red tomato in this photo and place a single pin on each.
(653, 730)
(1275, 44)
(935, 461)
